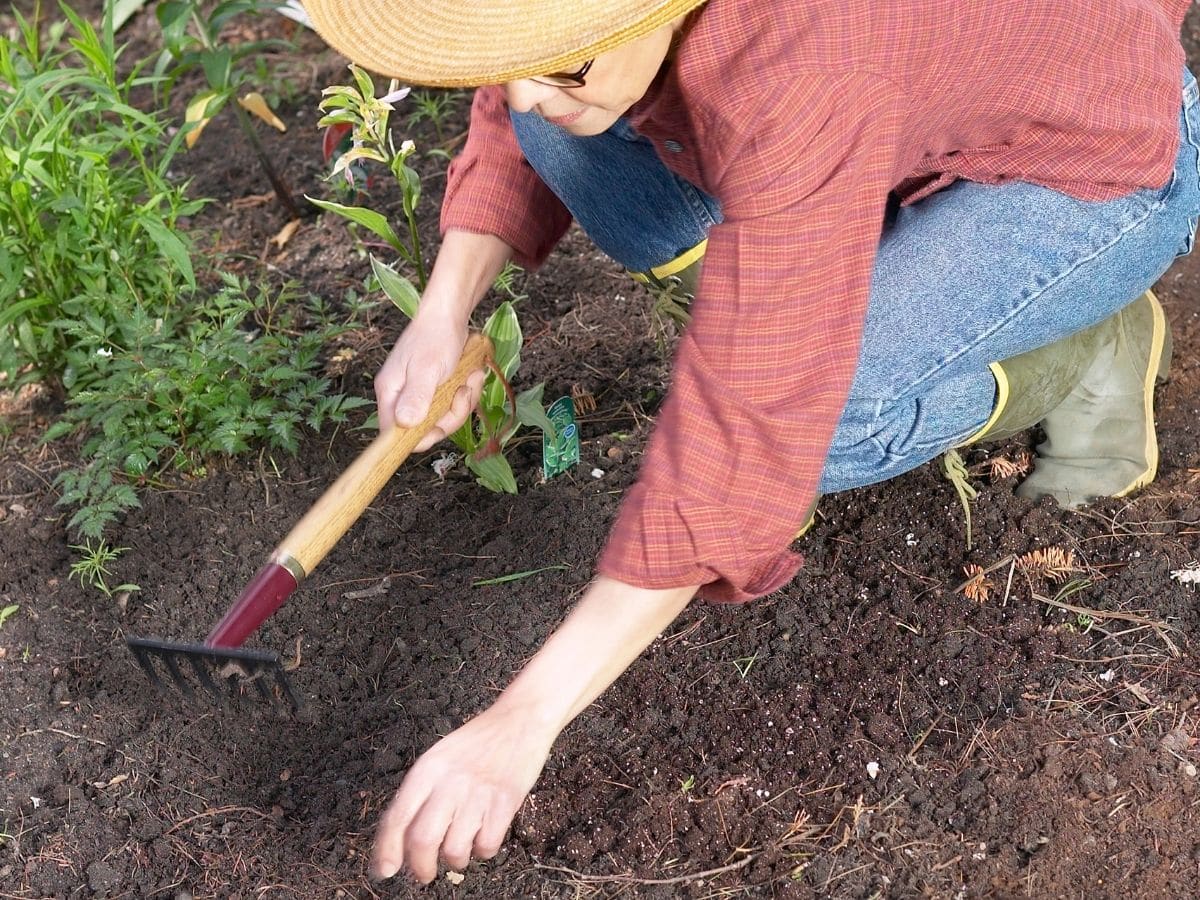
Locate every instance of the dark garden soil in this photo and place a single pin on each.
(869, 731)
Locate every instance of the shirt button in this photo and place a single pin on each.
(673, 146)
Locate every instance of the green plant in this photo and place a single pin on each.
(279, 85)
(500, 412)
(687, 784)
(88, 217)
(91, 568)
(232, 370)
(368, 116)
(192, 38)
(506, 282)
(517, 576)
(433, 107)
(8, 612)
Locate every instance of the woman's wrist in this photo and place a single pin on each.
(466, 266)
(609, 628)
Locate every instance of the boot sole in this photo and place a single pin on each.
(1156, 371)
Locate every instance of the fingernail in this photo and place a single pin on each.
(382, 871)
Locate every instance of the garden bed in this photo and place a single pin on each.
(871, 730)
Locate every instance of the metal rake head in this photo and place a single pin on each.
(226, 673)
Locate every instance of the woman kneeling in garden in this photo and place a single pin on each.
(904, 228)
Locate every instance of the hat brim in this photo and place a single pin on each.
(466, 43)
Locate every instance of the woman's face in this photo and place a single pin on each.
(615, 81)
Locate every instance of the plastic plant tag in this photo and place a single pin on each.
(560, 451)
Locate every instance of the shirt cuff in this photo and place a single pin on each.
(661, 541)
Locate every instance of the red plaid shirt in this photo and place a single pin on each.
(800, 117)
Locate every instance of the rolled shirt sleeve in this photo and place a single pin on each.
(492, 189)
(764, 369)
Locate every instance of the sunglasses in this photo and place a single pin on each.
(566, 79)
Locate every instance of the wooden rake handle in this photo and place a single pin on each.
(346, 499)
(337, 509)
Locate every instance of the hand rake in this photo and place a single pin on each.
(218, 665)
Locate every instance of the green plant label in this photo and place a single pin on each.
(560, 451)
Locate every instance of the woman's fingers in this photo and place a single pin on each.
(387, 856)
(445, 825)
(460, 796)
(496, 821)
(425, 833)
(422, 358)
(412, 403)
(464, 401)
(460, 836)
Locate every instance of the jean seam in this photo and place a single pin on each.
(699, 209)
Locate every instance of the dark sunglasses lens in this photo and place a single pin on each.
(566, 79)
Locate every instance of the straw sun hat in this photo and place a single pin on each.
(464, 43)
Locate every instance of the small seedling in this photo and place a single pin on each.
(434, 108)
(687, 784)
(7, 612)
(1070, 589)
(92, 567)
(669, 312)
(744, 664)
(505, 282)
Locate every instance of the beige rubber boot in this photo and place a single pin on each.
(1029, 386)
(1100, 440)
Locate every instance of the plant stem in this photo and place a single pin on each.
(418, 261)
(495, 441)
(282, 193)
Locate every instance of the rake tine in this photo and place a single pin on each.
(221, 671)
(285, 687)
(203, 677)
(178, 676)
(263, 690)
(143, 658)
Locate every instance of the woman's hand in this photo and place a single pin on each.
(459, 798)
(423, 357)
(428, 350)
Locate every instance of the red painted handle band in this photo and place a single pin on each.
(262, 596)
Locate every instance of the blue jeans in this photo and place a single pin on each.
(968, 276)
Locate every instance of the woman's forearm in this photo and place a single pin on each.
(603, 635)
(466, 267)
